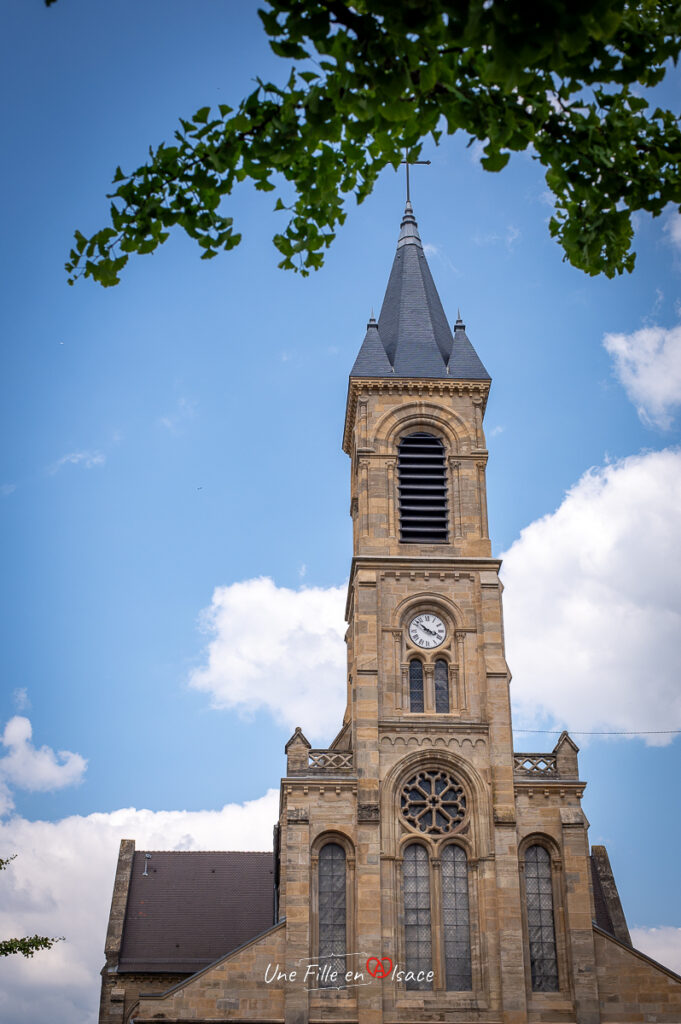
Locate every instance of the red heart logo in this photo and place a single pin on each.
(379, 968)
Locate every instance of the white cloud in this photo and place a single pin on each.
(33, 768)
(648, 365)
(439, 252)
(277, 650)
(21, 700)
(185, 409)
(476, 149)
(672, 226)
(593, 616)
(593, 603)
(61, 884)
(7, 489)
(508, 238)
(85, 458)
(662, 944)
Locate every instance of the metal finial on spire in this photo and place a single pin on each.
(406, 163)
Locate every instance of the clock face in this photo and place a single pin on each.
(427, 630)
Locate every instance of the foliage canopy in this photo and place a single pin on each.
(561, 78)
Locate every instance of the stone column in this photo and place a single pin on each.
(390, 496)
(578, 921)
(461, 664)
(482, 500)
(296, 856)
(455, 485)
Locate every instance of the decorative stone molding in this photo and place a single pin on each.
(298, 816)
(418, 388)
(368, 813)
(429, 740)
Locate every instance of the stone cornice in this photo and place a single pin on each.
(538, 786)
(407, 563)
(410, 563)
(418, 386)
(433, 724)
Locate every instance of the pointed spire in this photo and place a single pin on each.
(464, 363)
(409, 229)
(412, 337)
(412, 322)
(372, 360)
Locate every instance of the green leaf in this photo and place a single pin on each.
(561, 80)
(496, 161)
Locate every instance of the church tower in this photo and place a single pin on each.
(424, 799)
(423, 870)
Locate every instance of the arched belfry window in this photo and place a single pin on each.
(332, 908)
(416, 685)
(540, 922)
(441, 687)
(422, 489)
(455, 919)
(418, 943)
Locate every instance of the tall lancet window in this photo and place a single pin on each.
(422, 489)
(441, 687)
(332, 910)
(540, 924)
(416, 685)
(417, 936)
(455, 920)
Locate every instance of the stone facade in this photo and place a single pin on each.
(352, 794)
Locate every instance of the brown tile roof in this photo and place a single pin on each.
(192, 908)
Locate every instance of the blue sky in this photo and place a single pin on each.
(181, 433)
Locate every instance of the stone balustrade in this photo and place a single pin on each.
(330, 760)
(535, 764)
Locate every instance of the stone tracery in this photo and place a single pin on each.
(433, 802)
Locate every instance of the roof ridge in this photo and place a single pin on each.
(267, 853)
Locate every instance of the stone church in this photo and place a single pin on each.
(423, 870)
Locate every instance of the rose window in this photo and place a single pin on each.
(433, 802)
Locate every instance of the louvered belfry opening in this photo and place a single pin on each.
(422, 489)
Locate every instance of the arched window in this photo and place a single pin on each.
(455, 919)
(540, 924)
(422, 489)
(415, 685)
(441, 687)
(418, 945)
(332, 910)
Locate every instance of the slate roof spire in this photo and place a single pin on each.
(412, 337)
